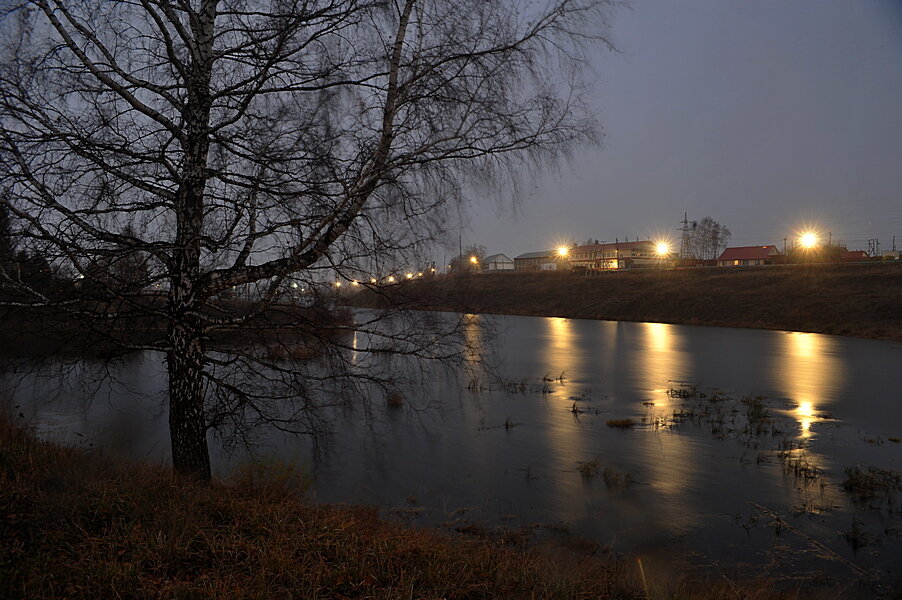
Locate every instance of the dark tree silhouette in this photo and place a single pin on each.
(242, 149)
(707, 239)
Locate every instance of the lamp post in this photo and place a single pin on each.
(662, 250)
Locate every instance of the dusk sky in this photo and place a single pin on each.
(765, 115)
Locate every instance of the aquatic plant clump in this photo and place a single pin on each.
(869, 483)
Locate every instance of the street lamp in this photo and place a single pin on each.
(474, 260)
(563, 251)
(662, 249)
(808, 240)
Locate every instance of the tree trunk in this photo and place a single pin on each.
(187, 424)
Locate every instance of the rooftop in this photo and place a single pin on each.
(749, 252)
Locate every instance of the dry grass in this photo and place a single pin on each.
(854, 300)
(73, 525)
(870, 482)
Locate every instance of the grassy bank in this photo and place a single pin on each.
(853, 300)
(74, 525)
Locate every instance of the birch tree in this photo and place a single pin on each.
(235, 144)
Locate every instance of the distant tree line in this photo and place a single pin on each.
(112, 267)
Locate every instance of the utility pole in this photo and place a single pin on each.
(684, 236)
(873, 246)
(784, 245)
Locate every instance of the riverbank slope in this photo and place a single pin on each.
(853, 300)
(76, 525)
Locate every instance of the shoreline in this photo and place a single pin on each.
(79, 525)
(863, 301)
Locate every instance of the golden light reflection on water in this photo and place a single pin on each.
(669, 458)
(807, 369)
(563, 351)
(473, 337)
(663, 361)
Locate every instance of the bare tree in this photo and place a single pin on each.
(263, 145)
(707, 239)
(470, 261)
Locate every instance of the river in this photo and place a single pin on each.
(735, 456)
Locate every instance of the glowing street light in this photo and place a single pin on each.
(808, 240)
(662, 248)
(410, 276)
(372, 280)
(391, 278)
(355, 282)
(419, 274)
(563, 251)
(474, 260)
(337, 284)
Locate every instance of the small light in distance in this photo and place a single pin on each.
(391, 278)
(808, 240)
(419, 274)
(355, 282)
(410, 276)
(474, 260)
(337, 284)
(372, 280)
(563, 251)
(295, 285)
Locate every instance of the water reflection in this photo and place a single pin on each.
(687, 483)
(562, 351)
(663, 358)
(563, 356)
(670, 459)
(809, 371)
(473, 335)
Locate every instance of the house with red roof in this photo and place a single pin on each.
(747, 256)
(853, 256)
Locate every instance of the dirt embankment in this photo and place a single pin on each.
(854, 300)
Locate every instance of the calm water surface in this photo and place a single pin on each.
(766, 425)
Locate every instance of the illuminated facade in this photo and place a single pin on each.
(616, 255)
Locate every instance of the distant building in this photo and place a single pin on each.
(536, 261)
(853, 256)
(616, 255)
(747, 256)
(497, 262)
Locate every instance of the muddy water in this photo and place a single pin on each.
(736, 454)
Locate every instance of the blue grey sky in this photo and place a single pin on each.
(767, 115)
